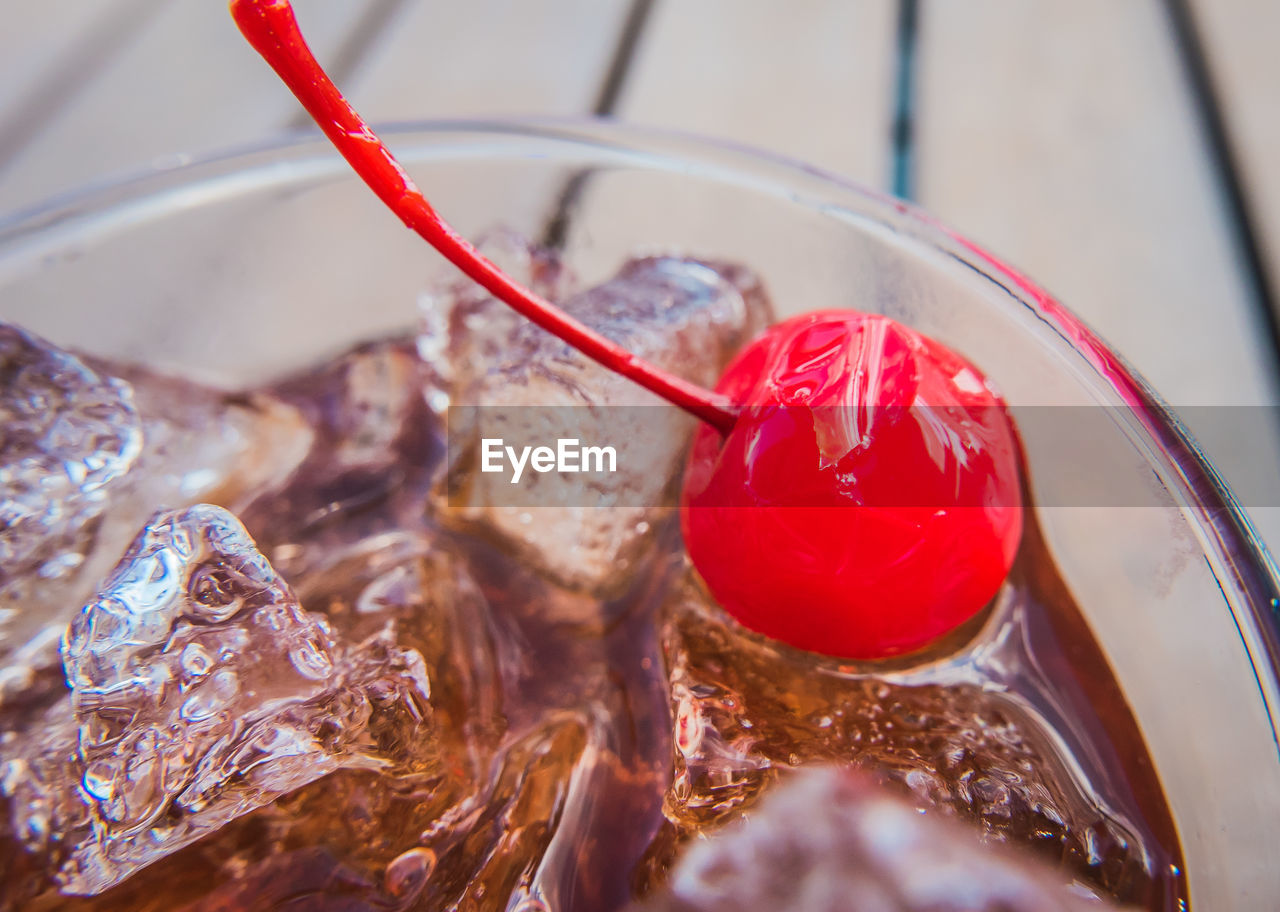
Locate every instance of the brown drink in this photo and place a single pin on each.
(387, 689)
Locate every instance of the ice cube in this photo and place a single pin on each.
(202, 444)
(561, 774)
(374, 450)
(200, 690)
(412, 590)
(89, 451)
(746, 709)
(828, 841)
(684, 315)
(463, 329)
(67, 433)
(361, 835)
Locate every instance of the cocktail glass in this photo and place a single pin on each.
(241, 268)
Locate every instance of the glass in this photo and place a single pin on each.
(239, 269)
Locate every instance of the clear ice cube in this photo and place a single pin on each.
(463, 329)
(374, 448)
(200, 690)
(687, 316)
(205, 445)
(67, 433)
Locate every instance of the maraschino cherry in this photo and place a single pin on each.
(872, 474)
(854, 488)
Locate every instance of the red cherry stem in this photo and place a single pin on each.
(271, 27)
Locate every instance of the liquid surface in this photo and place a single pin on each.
(332, 691)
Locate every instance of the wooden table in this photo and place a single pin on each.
(1117, 150)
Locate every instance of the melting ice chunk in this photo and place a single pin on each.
(463, 331)
(66, 434)
(375, 446)
(686, 316)
(204, 444)
(200, 690)
(826, 838)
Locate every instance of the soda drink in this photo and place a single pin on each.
(368, 679)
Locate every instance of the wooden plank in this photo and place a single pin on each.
(46, 56)
(488, 58)
(1072, 149)
(185, 83)
(1239, 38)
(810, 79)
